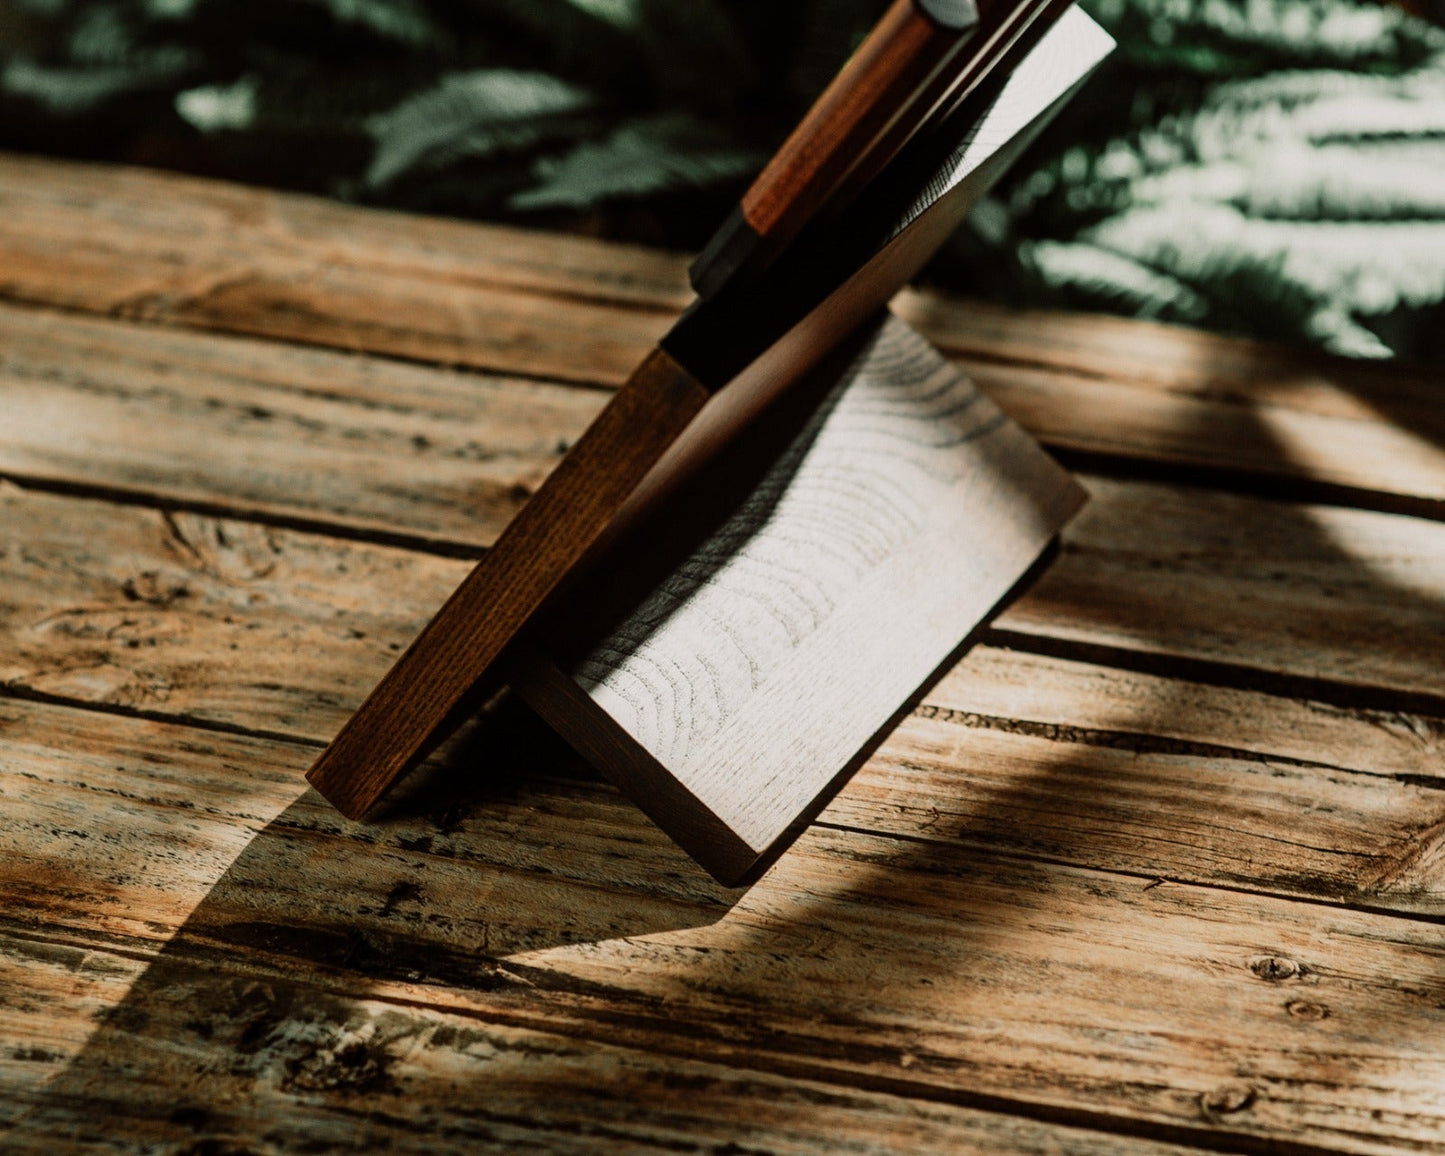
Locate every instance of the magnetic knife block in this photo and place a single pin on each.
(774, 535)
(732, 658)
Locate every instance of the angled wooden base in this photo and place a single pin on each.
(727, 661)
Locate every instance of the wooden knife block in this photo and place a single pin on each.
(730, 661)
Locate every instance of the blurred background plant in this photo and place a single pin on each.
(1271, 167)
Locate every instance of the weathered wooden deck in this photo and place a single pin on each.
(1158, 866)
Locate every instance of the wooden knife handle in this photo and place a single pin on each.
(876, 89)
(899, 56)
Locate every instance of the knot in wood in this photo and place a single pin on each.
(1274, 968)
(1303, 1009)
(1227, 1098)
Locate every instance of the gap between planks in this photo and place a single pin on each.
(1333, 451)
(1202, 819)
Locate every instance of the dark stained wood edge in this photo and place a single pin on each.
(902, 52)
(458, 648)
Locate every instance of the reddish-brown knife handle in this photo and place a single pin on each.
(899, 57)
(875, 98)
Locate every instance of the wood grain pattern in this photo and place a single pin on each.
(1212, 1015)
(969, 951)
(951, 772)
(900, 512)
(328, 1071)
(270, 432)
(188, 419)
(204, 254)
(1147, 392)
(1297, 575)
(226, 621)
(1056, 695)
(1296, 420)
(92, 577)
(1123, 390)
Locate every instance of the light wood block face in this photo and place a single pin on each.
(741, 684)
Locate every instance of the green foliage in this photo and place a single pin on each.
(472, 115)
(1274, 167)
(654, 154)
(1269, 166)
(405, 21)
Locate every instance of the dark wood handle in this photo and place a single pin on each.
(875, 95)
(1005, 31)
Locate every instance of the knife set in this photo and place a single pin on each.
(795, 511)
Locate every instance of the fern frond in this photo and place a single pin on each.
(1335, 182)
(471, 114)
(71, 91)
(626, 14)
(1219, 37)
(1078, 273)
(1292, 87)
(641, 157)
(1360, 268)
(219, 107)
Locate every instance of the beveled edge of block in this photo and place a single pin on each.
(595, 735)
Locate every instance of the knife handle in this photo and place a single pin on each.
(876, 89)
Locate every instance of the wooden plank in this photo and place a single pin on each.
(1110, 387)
(51, 998)
(204, 254)
(416, 454)
(1248, 1018)
(120, 827)
(1383, 448)
(1263, 824)
(155, 218)
(266, 628)
(229, 1057)
(1107, 706)
(275, 432)
(1348, 597)
(1174, 357)
(921, 966)
(126, 242)
(228, 621)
